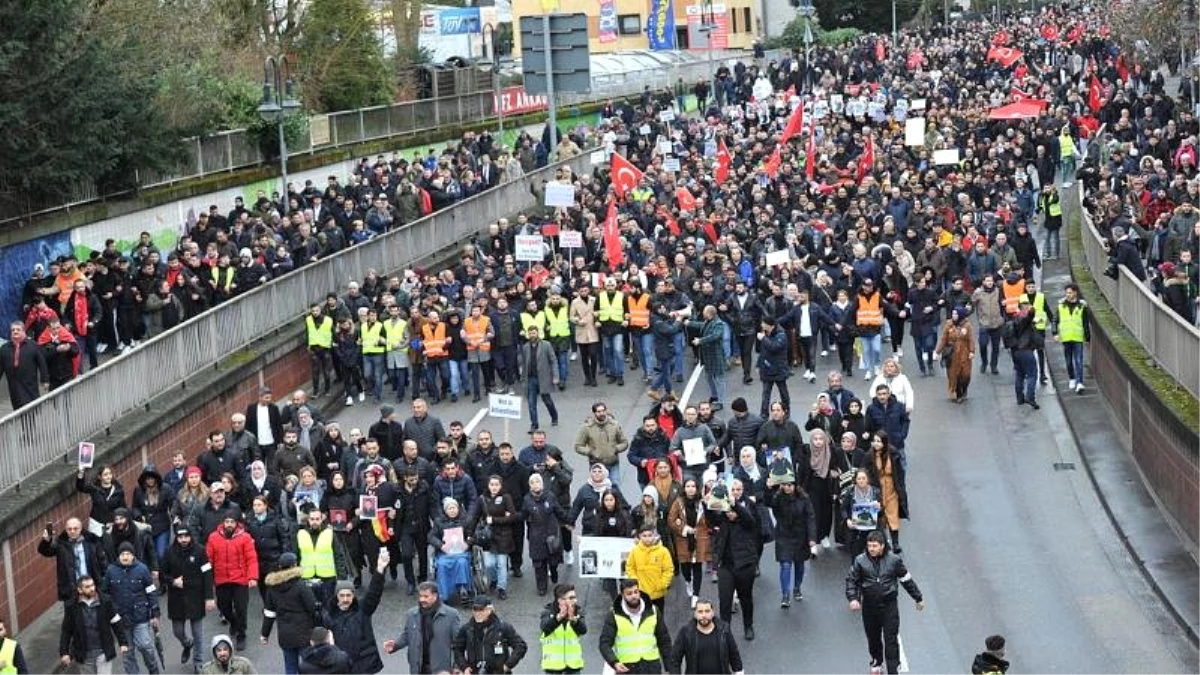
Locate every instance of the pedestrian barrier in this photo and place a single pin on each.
(1174, 345)
(48, 429)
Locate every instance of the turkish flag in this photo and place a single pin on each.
(612, 237)
(866, 161)
(1050, 32)
(1000, 38)
(1005, 56)
(625, 176)
(710, 231)
(880, 50)
(1094, 90)
(687, 202)
(771, 166)
(672, 224)
(1018, 95)
(1122, 68)
(810, 153)
(1075, 33)
(794, 124)
(723, 162)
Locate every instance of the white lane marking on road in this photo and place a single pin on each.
(687, 391)
(903, 667)
(470, 428)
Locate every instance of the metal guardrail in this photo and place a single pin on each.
(40, 433)
(238, 149)
(1174, 345)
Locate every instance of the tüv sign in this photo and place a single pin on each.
(459, 21)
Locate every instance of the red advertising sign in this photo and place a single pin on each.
(697, 14)
(514, 101)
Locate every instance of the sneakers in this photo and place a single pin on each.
(101, 348)
(899, 353)
(749, 634)
(867, 376)
(187, 653)
(825, 543)
(797, 595)
(574, 356)
(1078, 387)
(502, 594)
(569, 557)
(824, 353)
(1071, 385)
(362, 396)
(349, 401)
(876, 668)
(810, 376)
(695, 599)
(785, 602)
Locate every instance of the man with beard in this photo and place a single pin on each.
(348, 618)
(91, 630)
(705, 644)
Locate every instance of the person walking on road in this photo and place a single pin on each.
(541, 377)
(486, 643)
(323, 655)
(1021, 339)
(602, 441)
(135, 598)
(634, 638)
(991, 661)
(712, 353)
(290, 603)
(78, 643)
(1072, 329)
(428, 632)
(956, 348)
(225, 661)
(231, 550)
(872, 588)
(737, 546)
(12, 657)
(705, 644)
(348, 618)
(561, 627)
(772, 364)
(188, 577)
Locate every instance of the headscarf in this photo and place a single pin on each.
(751, 471)
(258, 482)
(960, 312)
(604, 484)
(819, 457)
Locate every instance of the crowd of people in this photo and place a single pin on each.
(801, 237)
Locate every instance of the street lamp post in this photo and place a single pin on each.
(489, 39)
(806, 10)
(278, 104)
(708, 25)
(895, 35)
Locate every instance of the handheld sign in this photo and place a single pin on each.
(570, 239)
(529, 247)
(560, 194)
(87, 455)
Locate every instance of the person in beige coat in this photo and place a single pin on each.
(587, 333)
(690, 536)
(602, 441)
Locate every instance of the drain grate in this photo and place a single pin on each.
(1064, 466)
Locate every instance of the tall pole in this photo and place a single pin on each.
(895, 35)
(283, 157)
(552, 120)
(711, 26)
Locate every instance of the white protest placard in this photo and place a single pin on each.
(604, 557)
(671, 164)
(598, 157)
(914, 131)
(644, 130)
(667, 116)
(837, 103)
(87, 455)
(560, 194)
(918, 104)
(570, 239)
(693, 452)
(781, 257)
(504, 406)
(856, 108)
(664, 146)
(941, 157)
(820, 109)
(529, 248)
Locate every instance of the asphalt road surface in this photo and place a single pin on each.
(1000, 541)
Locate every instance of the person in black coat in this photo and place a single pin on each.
(123, 529)
(486, 643)
(340, 502)
(323, 655)
(152, 501)
(24, 364)
(273, 536)
(188, 578)
(737, 544)
(106, 493)
(348, 618)
(795, 537)
(62, 549)
(685, 648)
(275, 421)
(543, 516)
(291, 603)
(73, 646)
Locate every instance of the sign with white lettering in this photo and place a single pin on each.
(529, 248)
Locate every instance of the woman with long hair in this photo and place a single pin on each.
(795, 537)
(690, 530)
(887, 474)
(861, 505)
(956, 348)
(106, 494)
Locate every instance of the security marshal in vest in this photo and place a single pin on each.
(318, 550)
(12, 659)
(562, 625)
(318, 329)
(633, 636)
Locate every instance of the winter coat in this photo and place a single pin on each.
(290, 603)
(652, 567)
(514, 479)
(63, 551)
(461, 488)
(891, 418)
(104, 500)
(875, 581)
(601, 442)
(233, 557)
(139, 539)
(646, 447)
(326, 659)
(190, 564)
(773, 357)
(694, 547)
(795, 525)
(158, 514)
(237, 665)
(209, 518)
(712, 341)
(504, 516)
(608, 634)
(444, 625)
(476, 643)
(586, 503)
(273, 536)
(740, 431)
(353, 629)
(543, 516)
(72, 639)
(133, 592)
(684, 648)
(547, 365)
(438, 533)
(413, 511)
(737, 543)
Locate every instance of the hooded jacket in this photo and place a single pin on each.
(133, 592)
(157, 514)
(237, 665)
(233, 557)
(290, 603)
(652, 567)
(325, 658)
(475, 642)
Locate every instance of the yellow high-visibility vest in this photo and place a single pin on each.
(370, 335)
(562, 649)
(533, 320)
(322, 335)
(560, 326)
(317, 560)
(634, 645)
(612, 309)
(8, 651)
(1070, 321)
(396, 328)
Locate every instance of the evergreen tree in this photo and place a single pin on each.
(341, 63)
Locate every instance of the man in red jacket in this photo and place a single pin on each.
(234, 559)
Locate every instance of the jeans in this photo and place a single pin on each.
(179, 628)
(496, 565)
(432, 370)
(505, 359)
(992, 336)
(564, 363)
(98, 664)
(716, 385)
(532, 391)
(872, 346)
(374, 366)
(1050, 246)
(882, 625)
(460, 373)
(679, 340)
(162, 541)
(291, 660)
(1073, 352)
(643, 350)
(614, 473)
(726, 340)
(1025, 375)
(666, 374)
(925, 346)
(614, 355)
(399, 382)
(141, 640)
(788, 570)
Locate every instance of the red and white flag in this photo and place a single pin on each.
(866, 161)
(625, 176)
(612, 237)
(723, 162)
(1094, 92)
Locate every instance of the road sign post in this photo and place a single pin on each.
(555, 58)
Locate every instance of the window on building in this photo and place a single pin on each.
(734, 19)
(629, 24)
(747, 23)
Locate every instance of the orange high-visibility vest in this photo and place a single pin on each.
(639, 311)
(435, 340)
(1012, 295)
(870, 313)
(477, 330)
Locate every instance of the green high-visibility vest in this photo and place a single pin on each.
(560, 326)
(317, 560)
(612, 309)
(1039, 311)
(562, 649)
(8, 652)
(533, 320)
(634, 645)
(1070, 321)
(1066, 146)
(370, 335)
(322, 335)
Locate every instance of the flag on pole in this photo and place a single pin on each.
(866, 161)
(687, 202)
(625, 176)
(1094, 90)
(723, 162)
(794, 124)
(710, 231)
(771, 166)
(672, 224)
(612, 237)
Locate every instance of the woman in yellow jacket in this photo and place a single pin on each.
(650, 564)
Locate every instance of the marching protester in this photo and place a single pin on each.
(705, 644)
(349, 619)
(188, 577)
(92, 629)
(562, 626)
(428, 633)
(12, 657)
(634, 638)
(292, 604)
(872, 587)
(486, 643)
(225, 661)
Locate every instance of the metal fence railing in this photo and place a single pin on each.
(1171, 341)
(238, 149)
(41, 432)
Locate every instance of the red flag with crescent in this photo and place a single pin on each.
(723, 162)
(687, 202)
(625, 176)
(771, 166)
(1094, 101)
(672, 224)
(794, 124)
(866, 161)
(1050, 32)
(612, 237)
(1000, 38)
(880, 50)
